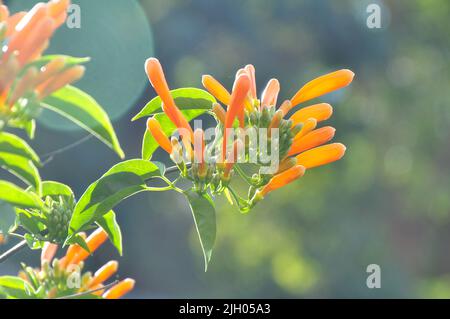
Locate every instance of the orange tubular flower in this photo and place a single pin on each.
(240, 91)
(283, 179)
(104, 273)
(95, 240)
(312, 139)
(199, 151)
(157, 79)
(320, 112)
(270, 94)
(215, 88)
(219, 112)
(119, 290)
(251, 72)
(48, 252)
(161, 138)
(321, 155)
(61, 80)
(323, 85)
(308, 126)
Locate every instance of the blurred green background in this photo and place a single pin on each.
(387, 202)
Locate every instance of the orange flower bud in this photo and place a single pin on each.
(216, 89)
(56, 7)
(48, 252)
(50, 69)
(104, 274)
(36, 40)
(252, 75)
(242, 85)
(321, 112)
(275, 123)
(285, 107)
(199, 150)
(25, 28)
(25, 84)
(119, 290)
(323, 85)
(95, 240)
(321, 155)
(309, 125)
(283, 179)
(12, 22)
(157, 132)
(61, 80)
(312, 139)
(71, 252)
(157, 79)
(232, 158)
(4, 12)
(219, 112)
(286, 164)
(270, 94)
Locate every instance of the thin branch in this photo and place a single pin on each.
(50, 156)
(14, 250)
(84, 293)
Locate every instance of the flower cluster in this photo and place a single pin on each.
(63, 277)
(294, 140)
(24, 36)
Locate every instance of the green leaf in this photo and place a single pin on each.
(78, 240)
(204, 215)
(55, 189)
(10, 143)
(29, 221)
(28, 125)
(70, 61)
(16, 196)
(185, 99)
(83, 110)
(22, 167)
(7, 217)
(120, 182)
(109, 224)
(149, 144)
(15, 288)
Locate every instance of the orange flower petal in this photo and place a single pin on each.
(95, 240)
(312, 139)
(219, 112)
(157, 132)
(56, 7)
(270, 93)
(309, 125)
(283, 179)
(241, 87)
(25, 27)
(252, 75)
(323, 85)
(12, 22)
(321, 155)
(216, 89)
(61, 80)
(320, 112)
(199, 147)
(48, 252)
(119, 290)
(157, 78)
(104, 273)
(4, 12)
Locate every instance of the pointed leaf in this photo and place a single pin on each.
(16, 196)
(120, 182)
(55, 189)
(7, 217)
(10, 143)
(15, 288)
(109, 224)
(204, 215)
(83, 110)
(185, 99)
(22, 167)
